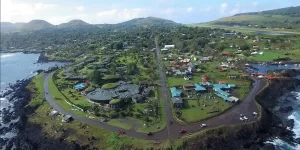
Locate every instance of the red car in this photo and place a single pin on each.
(121, 132)
(182, 131)
(150, 133)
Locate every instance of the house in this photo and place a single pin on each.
(224, 64)
(222, 82)
(191, 66)
(205, 84)
(164, 49)
(53, 113)
(169, 46)
(231, 85)
(199, 88)
(230, 59)
(189, 87)
(204, 59)
(67, 118)
(234, 99)
(224, 53)
(204, 78)
(175, 92)
(232, 76)
(185, 61)
(186, 77)
(177, 102)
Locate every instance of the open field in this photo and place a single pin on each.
(192, 112)
(245, 29)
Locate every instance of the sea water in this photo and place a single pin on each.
(13, 67)
(294, 99)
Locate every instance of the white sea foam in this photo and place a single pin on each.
(283, 145)
(296, 129)
(6, 55)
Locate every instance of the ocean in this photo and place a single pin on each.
(13, 67)
(293, 99)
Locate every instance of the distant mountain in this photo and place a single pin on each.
(32, 25)
(74, 24)
(278, 18)
(79, 24)
(149, 21)
(37, 25)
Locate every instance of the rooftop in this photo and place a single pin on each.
(123, 90)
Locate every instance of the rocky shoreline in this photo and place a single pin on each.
(14, 119)
(18, 95)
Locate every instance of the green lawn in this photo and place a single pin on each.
(194, 113)
(117, 123)
(179, 81)
(268, 56)
(109, 86)
(60, 99)
(37, 88)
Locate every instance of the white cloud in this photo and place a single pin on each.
(23, 12)
(223, 8)
(80, 8)
(190, 9)
(119, 15)
(254, 4)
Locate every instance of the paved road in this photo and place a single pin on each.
(230, 117)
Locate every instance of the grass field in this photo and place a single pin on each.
(179, 81)
(194, 113)
(267, 56)
(243, 29)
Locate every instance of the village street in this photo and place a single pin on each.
(230, 117)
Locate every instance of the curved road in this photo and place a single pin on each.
(230, 117)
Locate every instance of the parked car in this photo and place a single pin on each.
(182, 130)
(150, 133)
(121, 132)
(203, 125)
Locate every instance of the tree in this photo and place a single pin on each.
(118, 45)
(96, 77)
(245, 47)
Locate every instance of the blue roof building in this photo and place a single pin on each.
(231, 85)
(205, 83)
(224, 97)
(175, 92)
(199, 88)
(221, 86)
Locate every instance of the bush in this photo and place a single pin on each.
(113, 115)
(109, 86)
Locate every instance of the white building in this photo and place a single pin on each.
(169, 46)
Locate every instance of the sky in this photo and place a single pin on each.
(115, 11)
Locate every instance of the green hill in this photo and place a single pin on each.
(288, 18)
(74, 24)
(30, 26)
(148, 22)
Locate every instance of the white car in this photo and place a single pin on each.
(203, 125)
(241, 118)
(245, 118)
